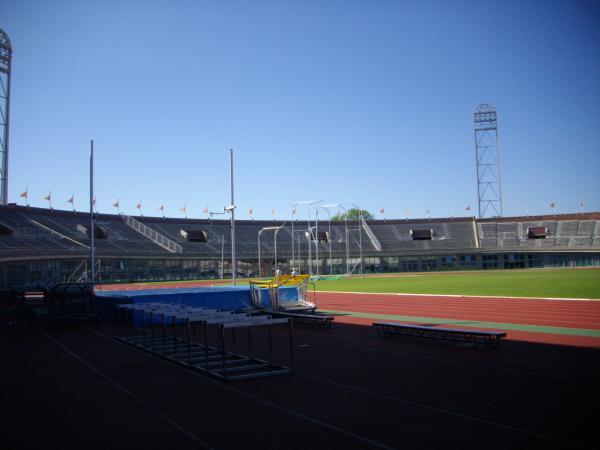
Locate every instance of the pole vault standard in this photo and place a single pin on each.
(325, 207)
(332, 205)
(276, 229)
(308, 204)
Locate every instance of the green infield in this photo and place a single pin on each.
(564, 283)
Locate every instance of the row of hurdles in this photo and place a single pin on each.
(180, 334)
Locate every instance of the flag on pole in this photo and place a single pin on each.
(205, 211)
(116, 204)
(382, 211)
(25, 194)
(161, 208)
(294, 211)
(273, 212)
(468, 208)
(72, 201)
(48, 198)
(139, 205)
(552, 205)
(250, 214)
(184, 210)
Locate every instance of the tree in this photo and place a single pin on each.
(353, 214)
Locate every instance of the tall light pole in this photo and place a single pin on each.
(92, 219)
(231, 209)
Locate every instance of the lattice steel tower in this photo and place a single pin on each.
(487, 154)
(5, 62)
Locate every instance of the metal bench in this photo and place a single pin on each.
(480, 338)
(316, 320)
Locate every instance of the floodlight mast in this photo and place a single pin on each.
(487, 160)
(5, 75)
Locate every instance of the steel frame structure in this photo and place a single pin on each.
(5, 72)
(487, 159)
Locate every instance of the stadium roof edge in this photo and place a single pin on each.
(150, 219)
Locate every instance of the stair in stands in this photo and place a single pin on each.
(153, 235)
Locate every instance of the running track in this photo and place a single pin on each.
(551, 321)
(567, 322)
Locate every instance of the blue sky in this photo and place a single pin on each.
(344, 101)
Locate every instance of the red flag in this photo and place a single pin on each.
(24, 194)
(205, 210)
(184, 209)
(552, 205)
(71, 200)
(139, 205)
(250, 212)
(162, 208)
(116, 204)
(382, 210)
(468, 208)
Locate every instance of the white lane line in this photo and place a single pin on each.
(255, 398)
(455, 362)
(462, 296)
(131, 394)
(448, 412)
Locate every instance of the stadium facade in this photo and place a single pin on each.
(39, 245)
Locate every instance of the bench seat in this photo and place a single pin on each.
(312, 319)
(489, 338)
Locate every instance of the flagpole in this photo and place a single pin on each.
(92, 224)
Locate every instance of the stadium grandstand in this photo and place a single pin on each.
(39, 245)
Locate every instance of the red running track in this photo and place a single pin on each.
(525, 311)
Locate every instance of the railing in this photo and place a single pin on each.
(371, 235)
(153, 235)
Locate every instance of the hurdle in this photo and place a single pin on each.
(180, 342)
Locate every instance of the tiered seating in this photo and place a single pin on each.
(560, 234)
(396, 237)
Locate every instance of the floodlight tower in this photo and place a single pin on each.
(487, 156)
(5, 63)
